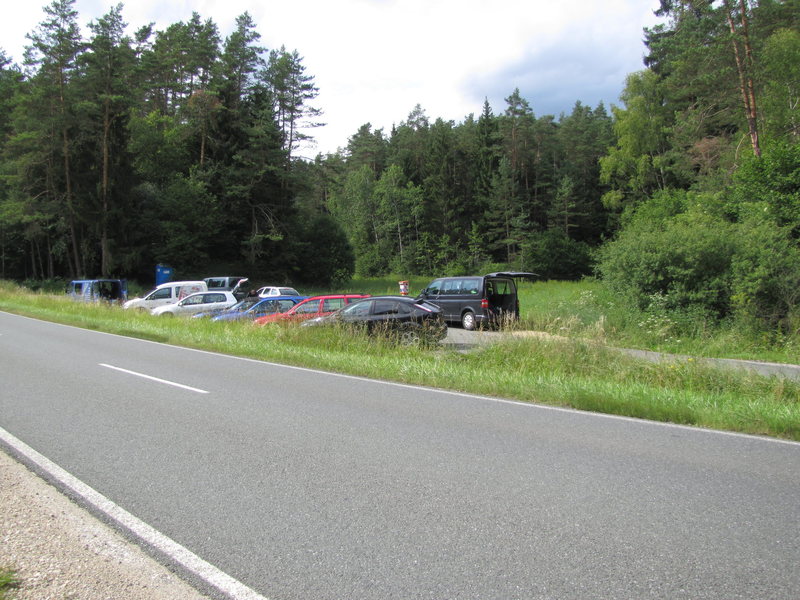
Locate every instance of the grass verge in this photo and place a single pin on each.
(570, 373)
(8, 583)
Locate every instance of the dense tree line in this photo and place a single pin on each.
(176, 146)
(170, 147)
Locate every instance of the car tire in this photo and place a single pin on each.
(409, 336)
(468, 320)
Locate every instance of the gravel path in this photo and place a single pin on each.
(61, 552)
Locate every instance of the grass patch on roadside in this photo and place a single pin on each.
(8, 583)
(587, 310)
(563, 372)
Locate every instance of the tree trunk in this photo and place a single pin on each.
(744, 68)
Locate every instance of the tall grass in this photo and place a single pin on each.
(587, 310)
(571, 371)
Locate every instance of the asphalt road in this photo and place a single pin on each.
(301, 484)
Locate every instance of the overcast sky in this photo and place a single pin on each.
(375, 60)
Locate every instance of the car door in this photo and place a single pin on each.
(305, 310)
(159, 297)
(432, 292)
(330, 305)
(357, 313)
(217, 301)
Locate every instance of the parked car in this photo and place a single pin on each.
(252, 308)
(275, 290)
(316, 306)
(410, 319)
(95, 290)
(228, 283)
(166, 293)
(477, 300)
(195, 303)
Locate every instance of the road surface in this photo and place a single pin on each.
(300, 484)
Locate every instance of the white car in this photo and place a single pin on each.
(270, 290)
(166, 293)
(195, 303)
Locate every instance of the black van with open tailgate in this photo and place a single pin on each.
(475, 301)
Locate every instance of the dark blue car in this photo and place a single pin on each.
(251, 308)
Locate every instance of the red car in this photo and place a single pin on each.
(316, 306)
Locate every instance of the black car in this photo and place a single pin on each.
(411, 319)
(477, 300)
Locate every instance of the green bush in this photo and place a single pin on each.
(684, 260)
(682, 252)
(773, 181)
(766, 276)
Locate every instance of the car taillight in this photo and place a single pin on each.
(485, 304)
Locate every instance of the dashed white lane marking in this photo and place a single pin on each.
(151, 378)
(187, 559)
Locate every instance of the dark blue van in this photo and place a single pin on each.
(95, 290)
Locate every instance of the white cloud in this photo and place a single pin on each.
(374, 60)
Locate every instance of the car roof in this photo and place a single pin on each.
(273, 298)
(333, 296)
(203, 293)
(512, 274)
(392, 297)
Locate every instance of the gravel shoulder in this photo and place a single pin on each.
(61, 552)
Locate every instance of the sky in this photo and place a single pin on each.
(375, 60)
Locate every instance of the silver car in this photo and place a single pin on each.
(195, 303)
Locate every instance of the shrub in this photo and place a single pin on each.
(766, 276)
(686, 259)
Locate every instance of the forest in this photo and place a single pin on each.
(178, 147)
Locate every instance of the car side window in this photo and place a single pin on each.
(435, 287)
(193, 300)
(211, 298)
(332, 304)
(471, 286)
(161, 294)
(282, 305)
(359, 309)
(308, 307)
(385, 307)
(450, 286)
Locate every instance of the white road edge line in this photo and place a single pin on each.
(187, 559)
(151, 378)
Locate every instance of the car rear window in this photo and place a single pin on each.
(500, 287)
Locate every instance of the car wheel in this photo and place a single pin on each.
(168, 314)
(409, 336)
(468, 320)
